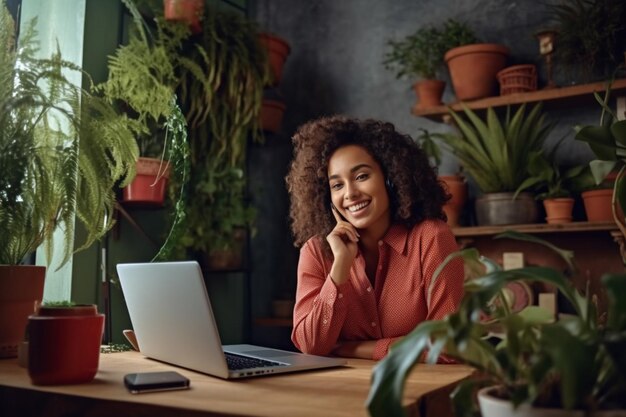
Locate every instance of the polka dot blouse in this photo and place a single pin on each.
(325, 313)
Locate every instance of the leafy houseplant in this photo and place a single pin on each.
(554, 185)
(591, 35)
(608, 142)
(421, 55)
(573, 363)
(496, 154)
(62, 153)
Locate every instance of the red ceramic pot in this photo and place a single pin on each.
(148, 187)
(64, 345)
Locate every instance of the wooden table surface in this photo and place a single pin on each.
(331, 392)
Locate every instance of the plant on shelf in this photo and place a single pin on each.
(221, 90)
(608, 142)
(421, 54)
(496, 154)
(455, 184)
(553, 184)
(63, 152)
(142, 83)
(591, 35)
(525, 357)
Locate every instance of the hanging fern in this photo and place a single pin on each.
(62, 151)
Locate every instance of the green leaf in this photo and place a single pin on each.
(600, 140)
(389, 375)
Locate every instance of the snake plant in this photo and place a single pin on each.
(495, 152)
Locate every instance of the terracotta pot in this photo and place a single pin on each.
(21, 290)
(473, 69)
(559, 210)
(189, 11)
(64, 345)
(429, 93)
(598, 205)
(492, 406)
(456, 186)
(493, 209)
(271, 115)
(277, 52)
(149, 185)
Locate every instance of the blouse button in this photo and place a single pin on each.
(369, 289)
(325, 321)
(380, 243)
(373, 324)
(340, 295)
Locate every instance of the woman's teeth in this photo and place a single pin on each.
(359, 206)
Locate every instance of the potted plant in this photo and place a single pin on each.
(496, 154)
(553, 184)
(591, 36)
(421, 55)
(63, 152)
(222, 77)
(142, 83)
(64, 343)
(575, 363)
(455, 184)
(188, 11)
(474, 66)
(607, 142)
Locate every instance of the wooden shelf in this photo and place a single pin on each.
(535, 228)
(555, 97)
(273, 322)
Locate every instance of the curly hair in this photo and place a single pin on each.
(415, 192)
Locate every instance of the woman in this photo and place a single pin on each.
(366, 209)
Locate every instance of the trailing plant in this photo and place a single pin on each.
(573, 363)
(421, 53)
(496, 153)
(591, 35)
(143, 76)
(221, 88)
(62, 151)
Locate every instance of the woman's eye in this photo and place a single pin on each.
(335, 186)
(362, 177)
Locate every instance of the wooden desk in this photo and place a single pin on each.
(332, 392)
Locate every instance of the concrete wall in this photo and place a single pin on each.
(336, 66)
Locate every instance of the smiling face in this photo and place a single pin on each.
(357, 189)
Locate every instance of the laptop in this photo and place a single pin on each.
(173, 321)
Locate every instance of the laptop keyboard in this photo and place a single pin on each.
(237, 362)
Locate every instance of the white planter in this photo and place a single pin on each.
(491, 406)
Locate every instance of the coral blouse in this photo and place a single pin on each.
(325, 313)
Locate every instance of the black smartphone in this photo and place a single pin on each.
(141, 382)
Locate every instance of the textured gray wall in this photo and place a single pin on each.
(336, 66)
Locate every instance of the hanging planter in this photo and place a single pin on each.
(148, 187)
(189, 11)
(271, 115)
(277, 51)
(473, 69)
